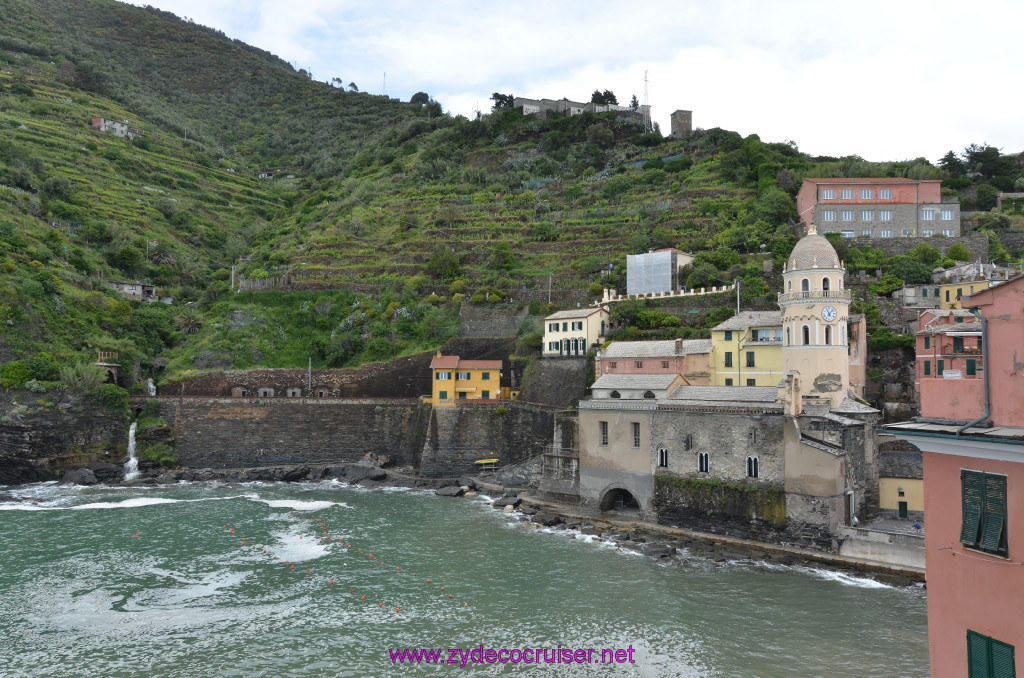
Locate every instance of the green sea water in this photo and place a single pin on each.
(99, 582)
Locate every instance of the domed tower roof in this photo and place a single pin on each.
(813, 251)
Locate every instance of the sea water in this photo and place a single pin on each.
(217, 580)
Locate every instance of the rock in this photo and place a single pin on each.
(370, 483)
(79, 476)
(361, 472)
(316, 473)
(471, 493)
(450, 491)
(547, 519)
(295, 473)
(165, 479)
(593, 531)
(508, 509)
(468, 482)
(655, 551)
(105, 471)
(507, 501)
(336, 471)
(510, 493)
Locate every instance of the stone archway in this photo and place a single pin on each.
(619, 499)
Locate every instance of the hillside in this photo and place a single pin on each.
(384, 219)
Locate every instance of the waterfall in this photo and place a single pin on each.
(131, 469)
(150, 387)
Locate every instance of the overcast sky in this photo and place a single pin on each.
(885, 80)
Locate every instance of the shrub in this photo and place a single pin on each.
(596, 289)
(160, 454)
(82, 377)
(478, 297)
(494, 298)
(15, 374)
(113, 398)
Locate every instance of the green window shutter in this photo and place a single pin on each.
(995, 513)
(1002, 660)
(972, 367)
(927, 367)
(972, 489)
(977, 655)
(927, 342)
(958, 344)
(942, 364)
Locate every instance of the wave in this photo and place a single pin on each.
(843, 578)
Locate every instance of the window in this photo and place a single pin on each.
(936, 290)
(828, 215)
(940, 367)
(885, 194)
(613, 364)
(828, 194)
(604, 433)
(688, 442)
(826, 283)
(728, 382)
(959, 320)
(867, 194)
(649, 395)
(885, 215)
(924, 295)
(565, 327)
(614, 394)
(578, 325)
(663, 457)
(664, 364)
(958, 344)
(846, 215)
(486, 376)
(948, 232)
(947, 296)
(867, 215)
(906, 232)
(927, 232)
(778, 334)
(702, 462)
(946, 215)
(751, 382)
(639, 363)
(972, 367)
(867, 234)
(728, 358)
(828, 335)
(847, 194)
(984, 511)
(728, 335)
(636, 434)
(885, 233)
(927, 342)
(750, 359)
(442, 376)
(927, 367)
(553, 345)
(927, 215)
(845, 234)
(807, 335)
(462, 376)
(485, 394)
(988, 657)
(805, 285)
(443, 395)
(552, 327)
(752, 466)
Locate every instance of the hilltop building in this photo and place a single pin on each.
(790, 461)
(118, 127)
(540, 107)
(971, 435)
(655, 272)
(879, 208)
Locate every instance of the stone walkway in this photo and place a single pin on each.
(897, 526)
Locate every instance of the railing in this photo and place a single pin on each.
(819, 294)
(561, 452)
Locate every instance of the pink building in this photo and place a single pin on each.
(686, 357)
(949, 360)
(974, 498)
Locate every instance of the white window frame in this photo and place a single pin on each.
(828, 194)
(867, 234)
(906, 233)
(828, 215)
(885, 215)
(947, 232)
(846, 215)
(928, 215)
(846, 193)
(885, 194)
(846, 234)
(577, 325)
(946, 215)
(462, 376)
(443, 376)
(927, 232)
(885, 233)
(867, 215)
(867, 194)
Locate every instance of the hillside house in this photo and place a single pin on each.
(136, 291)
(573, 332)
(117, 127)
(656, 272)
(456, 379)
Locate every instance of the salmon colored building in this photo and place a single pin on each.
(685, 357)
(974, 498)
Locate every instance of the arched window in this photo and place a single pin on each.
(752, 466)
(266, 392)
(702, 462)
(828, 335)
(807, 335)
(615, 394)
(788, 340)
(790, 286)
(663, 457)
(805, 285)
(826, 284)
(649, 394)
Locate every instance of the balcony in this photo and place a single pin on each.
(814, 296)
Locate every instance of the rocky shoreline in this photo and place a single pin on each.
(514, 497)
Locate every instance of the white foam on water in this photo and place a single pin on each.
(843, 578)
(287, 545)
(297, 504)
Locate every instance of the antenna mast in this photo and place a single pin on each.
(385, 83)
(647, 107)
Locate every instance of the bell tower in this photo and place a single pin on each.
(815, 310)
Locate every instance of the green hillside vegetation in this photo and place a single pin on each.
(386, 216)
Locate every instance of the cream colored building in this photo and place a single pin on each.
(572, 333)
(747, 350)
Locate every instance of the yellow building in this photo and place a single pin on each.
(900, 481)
(950, 294)
(456, 379)
(746, 350)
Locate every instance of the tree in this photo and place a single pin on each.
(609, 97)
(634, 104)
(444, 264)
(502, 257)
(952, 164)
(605, 97)
(502, 100)
(337, 82)
(420, 98)
(352, 87)
(958, 252)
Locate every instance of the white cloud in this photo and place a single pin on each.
(884, 80)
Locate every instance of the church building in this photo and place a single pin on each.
(791, 462)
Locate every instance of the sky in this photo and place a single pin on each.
(891, 80)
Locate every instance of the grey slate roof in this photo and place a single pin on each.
(720, 395)
(900, 464)
(654, 349)
(573, 313)
(813, 251)
(851, 406)
(747, 319)
(635, 381)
